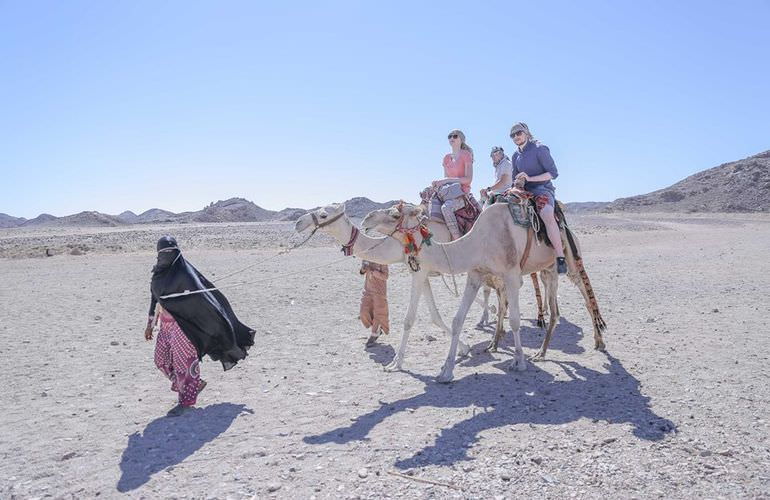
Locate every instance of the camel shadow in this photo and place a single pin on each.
(167, 441)
(510, 399)
(566, 338)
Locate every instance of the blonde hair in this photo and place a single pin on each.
(463, 145)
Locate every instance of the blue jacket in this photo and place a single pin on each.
(535, 159)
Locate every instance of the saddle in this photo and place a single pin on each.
(525, 210)
(466, 216)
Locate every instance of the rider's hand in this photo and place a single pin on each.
(522, 175)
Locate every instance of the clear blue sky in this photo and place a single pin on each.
(113, 105)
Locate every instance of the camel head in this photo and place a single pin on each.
(386, 220)
(320, 217)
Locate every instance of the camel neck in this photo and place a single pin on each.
(437, 254)
(383, 250)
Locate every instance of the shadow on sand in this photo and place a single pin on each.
(167, 441)
(508, 399)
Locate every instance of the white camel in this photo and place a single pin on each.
(332, 220)
(387, 220)
(441, 233)
(495, 246)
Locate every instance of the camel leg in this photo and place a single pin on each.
(580, 278)
(500, 324)
(418, 283)
(485, 306)
(539, 298)
(512, 285)
(552, 283)
(438, 321)
(472, 285)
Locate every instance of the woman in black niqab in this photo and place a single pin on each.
(206, 318)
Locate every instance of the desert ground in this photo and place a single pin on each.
(676, 408)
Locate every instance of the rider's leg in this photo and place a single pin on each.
(552, 228)
(448, 211)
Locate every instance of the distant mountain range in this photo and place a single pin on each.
(739, 186)
(232, 210)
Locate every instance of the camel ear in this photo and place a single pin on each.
(394, 213)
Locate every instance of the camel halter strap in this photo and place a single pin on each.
(347, 250)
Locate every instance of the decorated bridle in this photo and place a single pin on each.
(411, 249)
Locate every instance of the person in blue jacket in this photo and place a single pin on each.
(532, 161)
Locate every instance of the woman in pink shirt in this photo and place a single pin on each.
(458, 175)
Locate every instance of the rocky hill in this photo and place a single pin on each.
(82, 219)
(8, 221)
(40, 220)
(128, 217)
(156, 215)
(232, 210)
(739, 186)
(358, 207)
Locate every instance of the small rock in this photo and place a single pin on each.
(272, 487)
(608, 441)
(706, 453)
(467, 468)
(68, 456)
(114, 342)
(97, 318)
(363, 473)
(537, 460)
(548, 479)
(715, 310)
(506, 476)
(650, 320)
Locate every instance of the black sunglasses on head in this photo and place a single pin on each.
(452, 136)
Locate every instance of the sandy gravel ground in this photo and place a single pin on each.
(677, 407)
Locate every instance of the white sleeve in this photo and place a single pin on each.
(507, 169)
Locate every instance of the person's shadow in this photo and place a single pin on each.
(167, 441)
(508, 399)
(381, 353)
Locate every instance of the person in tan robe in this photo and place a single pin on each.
(374, 300)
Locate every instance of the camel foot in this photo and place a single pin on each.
(540, 356)
(600, 345)
(519, 365)
(393, 366)
(445, 376)
(463, 350)
(540, 322)
(492, 347)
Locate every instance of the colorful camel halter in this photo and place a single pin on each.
(411, 249)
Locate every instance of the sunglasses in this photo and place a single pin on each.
(518, 132)
(452, 136)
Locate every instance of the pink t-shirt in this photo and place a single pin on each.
(456, 168)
